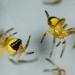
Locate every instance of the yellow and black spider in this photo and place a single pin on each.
(13, 45)
(57, 70)
(57, 30)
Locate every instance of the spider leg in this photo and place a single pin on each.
(65, 26)
(71, 31)
(73, 46)
(58, 70)
(24, 61)
(48, 17)
(12, 56)
(44, 35)
(13, 34)
(29, 53)
(47, 14)
(54, 41)
(18, 53)
(27, 44)
(50, 61)
(49, 70)
(18, 57)
(9, 30)
(64, 72)
(58, 43)
(63, 48)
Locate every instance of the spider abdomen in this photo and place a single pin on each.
(14, 45)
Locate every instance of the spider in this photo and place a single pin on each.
(57, 30)
(58, 70)
(13, 45)
(52, 2)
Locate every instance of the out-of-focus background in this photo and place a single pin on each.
(28, 17)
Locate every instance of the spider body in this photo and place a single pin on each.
(13, 45)
(57, 30)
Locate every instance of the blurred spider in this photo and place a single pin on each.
(57, 30)
(13, 45)
(58, 70)
(52, 2)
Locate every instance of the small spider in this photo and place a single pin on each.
(52, 2)
(58, 70)
(13, 45)
(57, 30)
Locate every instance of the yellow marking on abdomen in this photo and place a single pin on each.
(9, 47)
